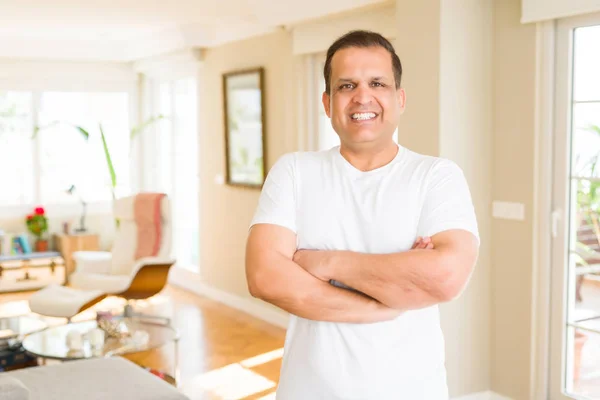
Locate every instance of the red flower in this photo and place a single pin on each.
(29, 217)
(39, 210)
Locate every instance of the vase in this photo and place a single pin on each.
(580, 340)
(41, 245)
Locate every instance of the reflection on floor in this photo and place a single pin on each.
(223, 353)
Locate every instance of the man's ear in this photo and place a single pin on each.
(401, 96)
(326, 98)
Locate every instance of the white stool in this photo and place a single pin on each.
(63, 302)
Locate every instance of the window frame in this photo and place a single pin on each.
(68, 77)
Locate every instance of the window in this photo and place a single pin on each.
(45, 165)
(67, 159)
(575, 334)
(174, 147)
(16, 148)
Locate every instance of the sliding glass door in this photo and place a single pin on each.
(575, 311)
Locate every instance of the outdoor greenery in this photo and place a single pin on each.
(85, 133)
(588, 202)
(8, 111)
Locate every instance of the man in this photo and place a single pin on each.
(348, 218)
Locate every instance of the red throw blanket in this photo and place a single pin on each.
(147, 217)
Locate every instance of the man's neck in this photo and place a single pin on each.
(371, 158)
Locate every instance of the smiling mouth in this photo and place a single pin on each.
(366, 116)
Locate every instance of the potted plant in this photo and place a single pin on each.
(37, 224)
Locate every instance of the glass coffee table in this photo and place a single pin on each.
(12, 332)
(51, 344)
(14, 329)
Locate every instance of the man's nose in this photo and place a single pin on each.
(362, 95)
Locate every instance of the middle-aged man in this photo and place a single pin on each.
(360, 243)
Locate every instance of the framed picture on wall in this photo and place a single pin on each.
(244, 107)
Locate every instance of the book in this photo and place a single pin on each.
(24, 242)
(13, 358)
(6, 244)
(17, 245)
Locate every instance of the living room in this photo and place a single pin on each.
(99, 100)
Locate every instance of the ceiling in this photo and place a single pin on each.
(126, 30)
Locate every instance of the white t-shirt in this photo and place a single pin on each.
(331, 205)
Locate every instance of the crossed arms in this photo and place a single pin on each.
(431, 272)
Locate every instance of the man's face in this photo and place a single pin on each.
(364, 104)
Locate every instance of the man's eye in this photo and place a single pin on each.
(378, 84)
(346, 86)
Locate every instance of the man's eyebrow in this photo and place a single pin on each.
(375, 78)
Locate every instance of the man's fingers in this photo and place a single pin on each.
(424, 243)
(416, 244)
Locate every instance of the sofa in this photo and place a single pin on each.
(91, 379)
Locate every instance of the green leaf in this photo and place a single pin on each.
(85, 133)
(138, 129)
(594, 128)
(38, 128)
(579, 260)
(111, 169)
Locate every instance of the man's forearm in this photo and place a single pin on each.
(418, 278)
(289, 287)
(408, 280)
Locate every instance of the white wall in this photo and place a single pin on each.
(466, 133)
(513, 178)
(316, 36)
(53, 75)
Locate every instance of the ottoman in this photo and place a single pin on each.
(63, 302)
(92, 379)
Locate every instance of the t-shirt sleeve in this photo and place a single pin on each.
(277, 201)
(448, 203)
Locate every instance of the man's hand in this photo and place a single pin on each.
(317, 262)
(423, 243)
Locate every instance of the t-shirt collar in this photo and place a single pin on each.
(356, 173)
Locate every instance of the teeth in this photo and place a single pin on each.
(363, 116)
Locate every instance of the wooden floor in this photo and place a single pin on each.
(218, 349)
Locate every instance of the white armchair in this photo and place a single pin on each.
(94, 262)
(118, 272)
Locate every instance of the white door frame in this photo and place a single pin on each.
(561, 211)
(545, 221)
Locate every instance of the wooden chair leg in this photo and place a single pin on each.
(578, 285)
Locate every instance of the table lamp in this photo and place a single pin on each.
(81, 229)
